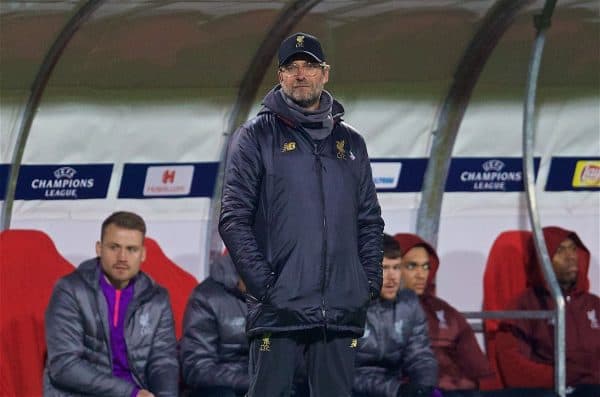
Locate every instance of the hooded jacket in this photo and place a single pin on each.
(214, 347)
(462, 364)
(525, 347)
(302, 223)
(395, 345)
(79, 357)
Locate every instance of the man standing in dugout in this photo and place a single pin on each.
(302, 223)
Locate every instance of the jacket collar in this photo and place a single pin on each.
(90, 271)
(272, 104)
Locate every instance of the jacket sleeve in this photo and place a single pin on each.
(67, 367)
(370, 227)
(470, 358)
(375, 384)
(419, 362)
(198, 350)
(514, 358)
(162, 369)
(241, 190)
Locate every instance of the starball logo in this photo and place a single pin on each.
(493, 165)
(65, 172)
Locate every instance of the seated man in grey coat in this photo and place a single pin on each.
(214, 347)
(109, 326)
(394, 355)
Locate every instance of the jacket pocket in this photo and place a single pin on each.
(364, 280)
(349, 287)
(273, 278)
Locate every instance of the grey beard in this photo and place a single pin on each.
(302, 115)
(305, 103)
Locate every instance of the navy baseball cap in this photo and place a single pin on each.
(300, 43)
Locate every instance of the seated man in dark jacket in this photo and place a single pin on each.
(109, 327)
(214, 347)
(395, 345)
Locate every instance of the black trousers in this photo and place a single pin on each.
(278, 360)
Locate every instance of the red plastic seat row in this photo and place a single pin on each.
(30, 265)
(504, 279)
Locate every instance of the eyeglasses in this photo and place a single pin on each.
(310, 69)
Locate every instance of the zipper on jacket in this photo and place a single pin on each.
(324, 249)
(134, 304)
(105, 322)
(115, 318)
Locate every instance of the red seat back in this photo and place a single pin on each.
(505, 278)
(30, 265)
(177, 281)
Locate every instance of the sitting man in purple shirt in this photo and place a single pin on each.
(109, 326)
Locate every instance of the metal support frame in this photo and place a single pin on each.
(37, 89)
(449, 117)
(253, 77)
(510, 314)
(505, 314)
(542, 23)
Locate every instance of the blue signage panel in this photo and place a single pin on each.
(63, 181)
(4, 172)
(487, 174)
(398, 175)
(160, 180)
(574, 174)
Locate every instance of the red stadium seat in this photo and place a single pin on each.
(177, 281)
(504, 279)
(29, 267)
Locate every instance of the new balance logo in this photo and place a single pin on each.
(288, 147)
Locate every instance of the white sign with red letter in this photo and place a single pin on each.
(169, 180)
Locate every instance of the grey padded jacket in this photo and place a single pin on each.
(395, 346)
(214, 348)
(77, 335)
